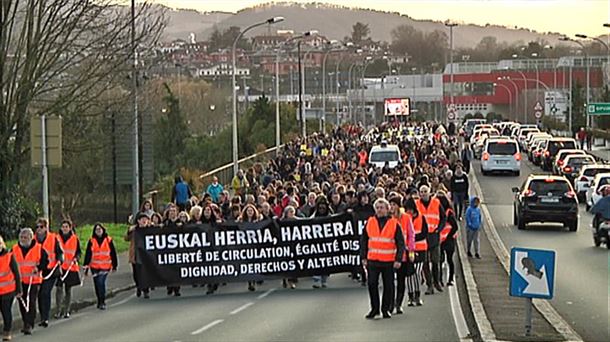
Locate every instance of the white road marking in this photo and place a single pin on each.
(263, 295)
(458, 315)
(123, 301)
(241, 308)
(207, 326)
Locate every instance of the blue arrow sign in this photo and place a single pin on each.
(532, 273)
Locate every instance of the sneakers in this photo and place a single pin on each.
(138, 293)
(469, 254)
(399, 310)
(44, 324)
(6, 336)
(450, 283)
(411, 302)
(67, 315)
(419, 302)
(477, 256)
(103, 306)
(430, 291)
(323, 285)
(293, 286)
(387, 314)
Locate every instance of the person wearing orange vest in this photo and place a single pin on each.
(362, 157)
(381, 250)
(32, 260)
(448, 236)
(9, 289)
(431, 208)
(70, 276)
(50, 243)
(101, 259)
(406, 223)
(415, 269)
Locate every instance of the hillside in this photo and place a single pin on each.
(336, 22)
(181, 22)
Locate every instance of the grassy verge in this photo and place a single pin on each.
(115, 231)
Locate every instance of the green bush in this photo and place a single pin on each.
(17, 212)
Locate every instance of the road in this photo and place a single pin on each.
(582, 277)
(269, 314)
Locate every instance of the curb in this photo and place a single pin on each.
(544, 307)
(84, 303)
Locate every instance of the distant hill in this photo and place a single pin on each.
(336, 22)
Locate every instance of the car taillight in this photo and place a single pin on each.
(528, 193)
(570, 194)
(517, 156)
(567, 169)
(485, 156)
(560, 162)
(583, 179)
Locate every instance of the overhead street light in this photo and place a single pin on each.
(584, 36)
(451, 25)
(269, 21)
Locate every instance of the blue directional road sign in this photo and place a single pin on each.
(532, 273)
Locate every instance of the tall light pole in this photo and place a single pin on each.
(323, 123)
(451, 26)
(365, 65)
(584, 51)
(338, 82)
(516, 92)
(510, 96)
(270, 21)
(525, 109)
(349, 86)
(135, 185)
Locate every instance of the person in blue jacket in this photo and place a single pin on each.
(214, 190)
(473, 226)
(181, 194)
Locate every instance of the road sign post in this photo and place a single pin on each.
(598, 109)
(532, 275)
(45, 147)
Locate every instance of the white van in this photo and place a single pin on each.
(501, 155)
(384, 153)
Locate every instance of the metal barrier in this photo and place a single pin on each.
(225, 172)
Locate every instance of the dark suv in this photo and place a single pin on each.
(551, 148)
(545, 198)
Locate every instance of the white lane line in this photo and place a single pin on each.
(268, 292)
(241, 308)
(545, 308)
(458, 315)
(207, 326)
(123, 301)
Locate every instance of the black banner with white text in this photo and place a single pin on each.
(202, 254)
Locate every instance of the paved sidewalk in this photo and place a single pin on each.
(83, 296)
(601, 152)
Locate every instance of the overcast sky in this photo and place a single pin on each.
(564, 16)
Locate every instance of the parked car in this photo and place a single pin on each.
(545, 198)
(501, 154)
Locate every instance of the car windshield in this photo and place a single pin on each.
(384, 156)
(580, 161)
(594, 171)
(555, 146)
(603, 181)
(501, 148)
(555, 187)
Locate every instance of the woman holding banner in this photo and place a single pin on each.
(142, 222)
(249, 214)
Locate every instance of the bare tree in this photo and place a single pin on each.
(58, 57)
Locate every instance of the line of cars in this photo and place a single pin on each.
(542, 197)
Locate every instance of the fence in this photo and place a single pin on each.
(225, 172)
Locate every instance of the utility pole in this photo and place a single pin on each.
(135, 185)
(451, 26)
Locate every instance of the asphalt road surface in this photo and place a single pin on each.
(269, 314)
(582, 270)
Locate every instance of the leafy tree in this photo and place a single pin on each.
(171, 133)
(360, 32)
(424, 49)
(578, 107)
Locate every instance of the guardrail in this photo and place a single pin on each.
(225, 172)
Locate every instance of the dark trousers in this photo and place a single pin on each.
(99, 283)
(434, 259)
(459, 198)
(44, 298)
(29, 315)
(447, 250)
(136, 270)
(63, 298)
(401, 277)
(387, 274)
(6, 304)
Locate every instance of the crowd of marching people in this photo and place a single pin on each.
(414, 210)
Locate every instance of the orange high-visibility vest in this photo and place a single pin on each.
(418, 224)
(447, 228)
(382, 246)
(49, 246)
(7, 278)
(404, 220)
(69, 248)
(100, 254)
(431, 213)
(28, 265)
(362, 156)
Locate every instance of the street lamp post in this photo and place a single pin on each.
(323, 123)
(588, 118)
(349, 87)
(365, 65)
(516, 92)
(510, 96)
(451, 26)
(270, 21)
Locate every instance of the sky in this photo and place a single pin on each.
(564, 16)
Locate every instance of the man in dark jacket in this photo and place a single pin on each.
(322, 210)
(459, 191)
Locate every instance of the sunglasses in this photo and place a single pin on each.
(39, 226)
